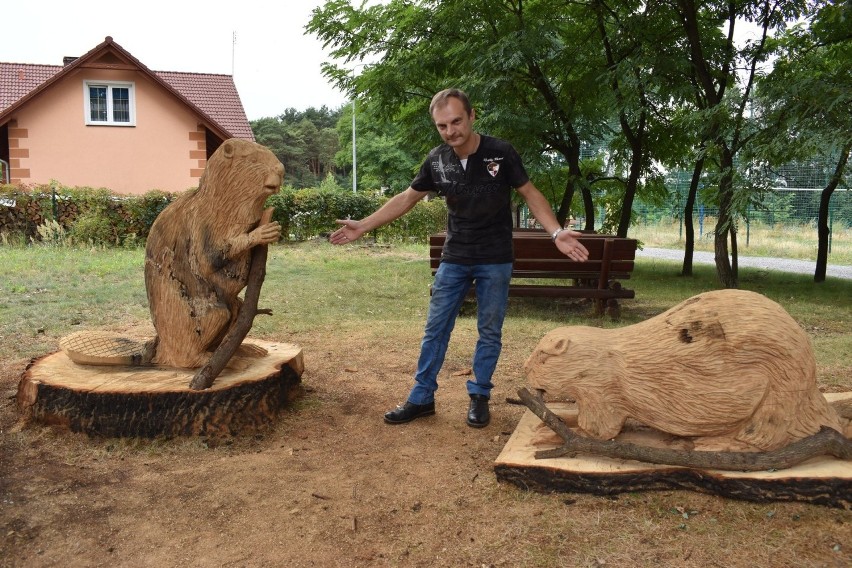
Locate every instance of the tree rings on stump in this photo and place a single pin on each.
(824, 481)
(157, 401)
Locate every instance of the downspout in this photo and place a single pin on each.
(5, 171)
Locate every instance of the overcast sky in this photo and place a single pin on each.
(276, 66)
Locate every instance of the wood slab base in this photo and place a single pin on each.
(822, 481)
(127, 401)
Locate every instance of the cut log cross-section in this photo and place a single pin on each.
(539, 459)
(157, 401)
(718, 394)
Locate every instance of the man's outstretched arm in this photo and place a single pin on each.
(396, 207)
(566, 239)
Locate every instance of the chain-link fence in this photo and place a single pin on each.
(794, 209)
(781, 223)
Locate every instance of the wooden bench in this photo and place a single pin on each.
(611, 259)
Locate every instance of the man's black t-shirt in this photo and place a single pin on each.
(479, 227)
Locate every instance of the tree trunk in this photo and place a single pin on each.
(724, 223)
(630, 190)
(589, 208)
(823, 230)
(157, 401)
(735, 263)
(571, 152)
(565, 206)
(689, 228)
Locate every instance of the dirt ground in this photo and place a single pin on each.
(331, 485)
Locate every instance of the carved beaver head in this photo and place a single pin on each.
(242, 175)
(538, 371)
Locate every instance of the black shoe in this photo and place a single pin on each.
(478, 415)
(408, 412)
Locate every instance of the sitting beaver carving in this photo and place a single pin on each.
(197, 261)
(730, 364)
(197, 257)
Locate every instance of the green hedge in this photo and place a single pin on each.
(84, 215)
(97, 216)
(310, 213)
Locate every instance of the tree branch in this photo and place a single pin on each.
(204, 378)
(825, 442)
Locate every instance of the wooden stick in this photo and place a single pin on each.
(825, 442)
(204, 378)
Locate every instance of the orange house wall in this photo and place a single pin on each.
(165, 150)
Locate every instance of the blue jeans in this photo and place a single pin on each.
(451, 285)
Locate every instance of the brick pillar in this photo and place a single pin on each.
(18, 153)
(198, 155)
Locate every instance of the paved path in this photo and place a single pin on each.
(766, 263)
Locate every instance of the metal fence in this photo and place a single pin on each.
(792, 208)
(782, 206)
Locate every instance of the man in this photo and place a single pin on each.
(475, 173)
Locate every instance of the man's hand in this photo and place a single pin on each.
(350, 231)
(567, 243)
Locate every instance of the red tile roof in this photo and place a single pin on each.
(215, 96)
(19, 79)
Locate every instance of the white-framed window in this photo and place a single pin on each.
(109, 103)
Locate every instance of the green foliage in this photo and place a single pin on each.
(52, 234)
(143, 210)
(85, 215)
(644, 84)
(312, 212)
(426, 218)
(330, 184)
(385, 159)
(93, 228)
(305, 142)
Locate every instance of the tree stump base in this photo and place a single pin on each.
(126, 401)
(822, 481)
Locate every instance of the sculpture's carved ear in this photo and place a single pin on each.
(558, 347)
(228, 150)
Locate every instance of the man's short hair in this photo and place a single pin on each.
(440, 99)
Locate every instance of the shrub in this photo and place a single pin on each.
(93, 228)
(309, 213)
(96, 216)
(52, 234)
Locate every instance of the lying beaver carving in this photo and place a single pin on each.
(730, 364)
(197, 261)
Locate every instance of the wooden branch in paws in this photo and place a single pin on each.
(204, 378)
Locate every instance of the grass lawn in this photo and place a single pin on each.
(331, 485)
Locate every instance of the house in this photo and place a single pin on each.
(105, 120)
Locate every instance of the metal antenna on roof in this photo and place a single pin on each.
(233, 50)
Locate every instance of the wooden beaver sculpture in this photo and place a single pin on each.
(728, 364)
(197, 261)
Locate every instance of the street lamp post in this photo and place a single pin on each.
(354, 151)
(354, 143)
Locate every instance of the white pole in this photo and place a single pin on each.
(354, 152)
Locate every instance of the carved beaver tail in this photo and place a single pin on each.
(104, 348)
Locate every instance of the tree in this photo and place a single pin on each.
(636, 65)
(304, 141)
(384, 160)
(507, 56)
(808, 96)
(724, 76)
